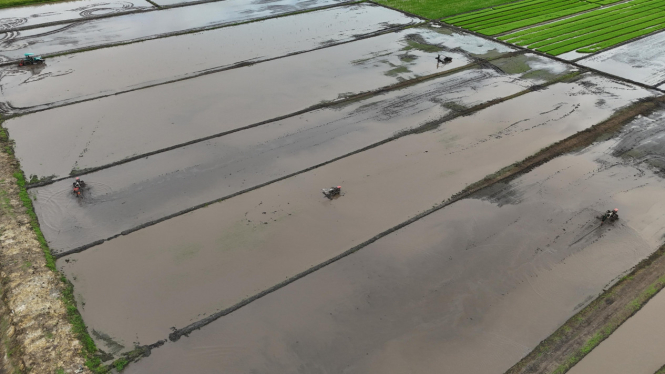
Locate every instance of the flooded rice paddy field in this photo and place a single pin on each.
(641, 61)
(34, 15)
(212, 258)
(471, 287)
(107, 130)
(132, 27)
(635, 347)
(210, 150)
(76, 77)
(127, 195)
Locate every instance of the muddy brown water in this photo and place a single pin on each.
(637, 347)
(76, 77)
(641, 61)
(150, 188)
(34, 15)
(470, 288)
(102, 131)
(137, 286)
(132, 27)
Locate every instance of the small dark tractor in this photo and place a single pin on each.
(332, 192)
(609, 216)
(31, 59)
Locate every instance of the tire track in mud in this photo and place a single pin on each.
(344, 101)
(576, 141)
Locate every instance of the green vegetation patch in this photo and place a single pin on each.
(11, 3)
(434, 9)
(505, 18)
(592, 31)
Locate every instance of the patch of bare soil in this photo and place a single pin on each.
(593, 324)
(35, 332)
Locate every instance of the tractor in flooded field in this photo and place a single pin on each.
(609, 216)
(31, 59)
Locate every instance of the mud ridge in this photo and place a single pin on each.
(581, 139)
(182, 32)
(346, 100)
(11, 111)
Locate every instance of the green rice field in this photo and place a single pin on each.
(509, 17)
(595, 30)
(434, 9)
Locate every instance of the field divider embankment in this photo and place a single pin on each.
(175, 33)
(323, 105)
(621, 44)
(318, 106)
(573, 63)
(573, 142)
(219, 69)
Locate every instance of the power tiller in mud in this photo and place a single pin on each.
(332, 192)
(609, 216)
(31, 59)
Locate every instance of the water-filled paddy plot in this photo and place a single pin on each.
(203, 224)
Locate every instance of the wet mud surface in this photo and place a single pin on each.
(178, 271)
(87, 34)
(641, 61)
(12, 18)
(635, 347)
(110, 129)
(472, 287)
(150, 188)
(75, 77)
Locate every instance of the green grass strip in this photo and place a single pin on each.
(74, 317)
(595, 31)
(606, 36)
(661, 370)
(579, 18)
(591, 23)
(516, 25)
(604, 332)
(34, 223)
(621, 38)
(496, 17)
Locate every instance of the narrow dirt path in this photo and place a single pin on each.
(34, 328)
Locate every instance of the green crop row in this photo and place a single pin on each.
(590, 38)
(622, 34)
(594, 31)
(579, 18)
(557, 30)
(621, 38)
(530, 13)
(494, 10)
(496, 16)
(519, 24)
